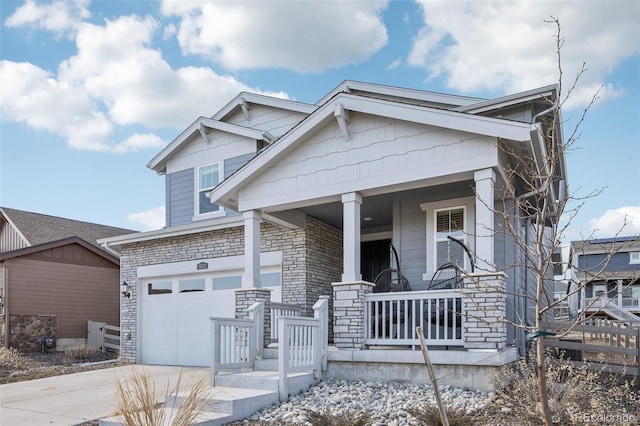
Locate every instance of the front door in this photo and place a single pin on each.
(374, 258)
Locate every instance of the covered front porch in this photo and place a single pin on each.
(374, 334)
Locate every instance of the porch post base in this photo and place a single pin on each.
(245, 297)
(348, 313)
(485, 310)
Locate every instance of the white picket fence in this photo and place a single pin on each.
(103, 337)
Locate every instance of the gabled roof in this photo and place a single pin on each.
(245, 99)
(60, 243)
(37, 228)
(224, 193)
(401, 94)
(200, 126)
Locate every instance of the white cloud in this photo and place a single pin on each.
(115, 79)
(506, 46)
(150, 219)
(58, 16)
(394, 64)
(304, 36)
(623, 221)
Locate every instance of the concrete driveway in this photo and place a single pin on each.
(72, 399)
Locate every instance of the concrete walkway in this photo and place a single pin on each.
(72, 399)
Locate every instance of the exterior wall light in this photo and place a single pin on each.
(125, 290)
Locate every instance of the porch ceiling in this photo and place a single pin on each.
(379, 208)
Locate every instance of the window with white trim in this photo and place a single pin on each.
(449, 223)
(448, 218)
(209, 177)
(634, 257)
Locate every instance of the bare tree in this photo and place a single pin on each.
(535, 198)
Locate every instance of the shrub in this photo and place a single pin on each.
(10, 359)
(80, 353)
(138, 403)
(573, 392)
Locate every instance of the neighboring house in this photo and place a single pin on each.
(607, 274)
(54, 277)
(272, 199)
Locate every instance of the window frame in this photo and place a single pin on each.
(634, 258)
(215, 213)
(437, 240)
(431, 209)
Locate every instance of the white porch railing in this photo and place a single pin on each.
(235, 343)
(302, 345)
(391, 318)
(282, 310)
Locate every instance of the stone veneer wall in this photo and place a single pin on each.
(26, 331)
(230, 242)
(324, 254)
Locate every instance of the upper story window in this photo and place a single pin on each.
(634, 257)
(208, 178)
(449, 223)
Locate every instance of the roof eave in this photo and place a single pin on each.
(226, 193)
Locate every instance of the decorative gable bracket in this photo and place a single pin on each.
(203, 132)
(245, 109)
(343, 122)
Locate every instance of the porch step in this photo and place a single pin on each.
(267, 380)
(268, 364)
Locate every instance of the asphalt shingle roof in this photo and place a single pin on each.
(40, 228)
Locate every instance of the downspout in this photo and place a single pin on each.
(547, 182)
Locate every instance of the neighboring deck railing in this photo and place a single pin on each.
(282, 310)
(391, 318)
(302, 345)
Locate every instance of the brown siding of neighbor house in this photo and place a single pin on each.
(75, 293)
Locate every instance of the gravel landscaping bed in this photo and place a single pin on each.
(16, 367)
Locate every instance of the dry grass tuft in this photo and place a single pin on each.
(326, 418)
(80, 353)
(429, 415)
(11, 359)
(138, 402)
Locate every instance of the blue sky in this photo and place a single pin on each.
(92, 90)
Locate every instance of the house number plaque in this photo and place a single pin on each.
(203, 265)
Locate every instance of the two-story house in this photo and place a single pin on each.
(273, 199)
(605, 278)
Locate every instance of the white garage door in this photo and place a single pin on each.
(176, 310)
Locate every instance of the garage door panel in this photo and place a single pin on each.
(161, 310)
(190, 310)
(223, 304)
(160, 354)
(164, 333)
(194, 332)
(194, 355)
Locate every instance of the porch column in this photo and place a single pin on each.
(251, 276)
(620, 286)
(351, 236)
(485, 224)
